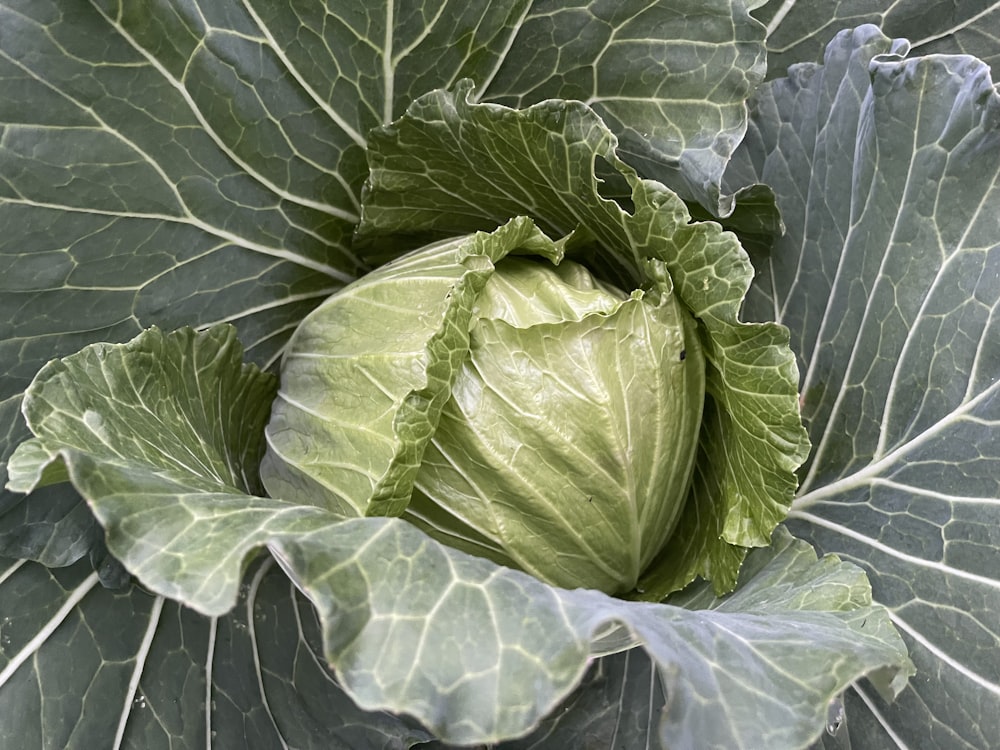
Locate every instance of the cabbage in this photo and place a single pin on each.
(562, 443)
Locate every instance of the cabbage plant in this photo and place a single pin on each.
(267, 264)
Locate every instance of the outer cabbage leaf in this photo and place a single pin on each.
(798, 30)
(147, 672)
(474, 651)
(449, 166)
(193, 162)
(675, 97)
(887, 171)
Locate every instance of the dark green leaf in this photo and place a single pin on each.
(887, 172)
(798, 30)
(82, 666)
(671, 80)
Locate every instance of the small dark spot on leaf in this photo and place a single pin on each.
(683, 354)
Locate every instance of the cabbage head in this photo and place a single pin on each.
(504, 399)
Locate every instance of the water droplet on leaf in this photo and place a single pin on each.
(836, 717)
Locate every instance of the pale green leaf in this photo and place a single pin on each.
(798, 30)
(571, 444)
